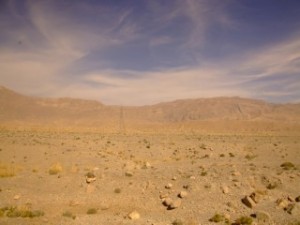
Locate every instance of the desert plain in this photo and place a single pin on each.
(203, 161)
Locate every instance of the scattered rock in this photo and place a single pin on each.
(175, 204)
(255, 197)
(248, 202)
(225, 189)
(167, 201)
(73, 203)
(297, 199)
(169, 186)
(147, 165)
(90, 177)
(17, 197)
(134, 215)
(192, 177)
(182, 194)
(174, 178)
(90, 180)
(282, 203)
(163, 196)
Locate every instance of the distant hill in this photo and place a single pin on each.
(17, 108)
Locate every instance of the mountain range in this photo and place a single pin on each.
(20, 109)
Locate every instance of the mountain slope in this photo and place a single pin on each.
(16, 107)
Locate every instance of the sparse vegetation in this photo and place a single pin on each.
(118, 190)
(287, 166)
(14, 211)
(69, 215)
(177, 222)
(55, 169)
(7, 171)
(250, 156)
(244, 220)
(91, 211)
(294, 223)
(217, 218)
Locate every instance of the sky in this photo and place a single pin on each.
(142, 52)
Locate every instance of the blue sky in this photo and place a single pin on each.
(141, 52)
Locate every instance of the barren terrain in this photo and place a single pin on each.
(231, 161)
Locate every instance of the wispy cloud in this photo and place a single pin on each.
(74, 49)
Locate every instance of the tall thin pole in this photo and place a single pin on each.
(121, 121)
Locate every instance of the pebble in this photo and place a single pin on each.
(175, 204)
(182, 194)
(255, 197)
(162, 196)
(225, 189)
(134, 215)
(248, 202)
(282, 203)
(90, 179)
(147, 165)
(167, 201)
(169, 186)
(17, 197)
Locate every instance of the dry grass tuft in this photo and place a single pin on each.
(55, 169)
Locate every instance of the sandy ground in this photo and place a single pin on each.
(136, 172)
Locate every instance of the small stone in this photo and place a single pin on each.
(174, 178)
(169, 186)
(147, 165)
(90, 177)
(297, 199)
(255, 197)
(90, 180)
(282, 203)
(134, 215)
(248, 202)
(167, 201)
(192, 177)
(182, 194)
(73, 203)
(163, 196)
(225, 189)
(17, 197)
(175, 204)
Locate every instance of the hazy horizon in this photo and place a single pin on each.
(146, 52)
